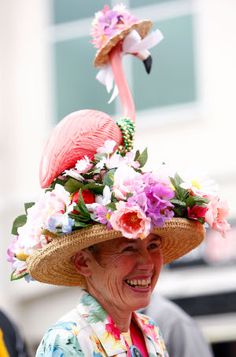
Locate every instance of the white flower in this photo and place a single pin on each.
(119, 8)
(114, 161)
(49, 204)
(105, 198)
(100, 200)
(84, 165)
(74, 174)
(100, 165)
(199, 184)
(107, 148)
(129, 160)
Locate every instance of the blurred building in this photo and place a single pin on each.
(186, 118)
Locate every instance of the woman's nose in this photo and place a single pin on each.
(145, 257)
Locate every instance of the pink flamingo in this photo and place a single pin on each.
(82, 132)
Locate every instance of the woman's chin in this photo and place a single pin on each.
(139, 297)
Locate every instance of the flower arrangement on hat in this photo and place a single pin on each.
(111, 189)
(109, 22)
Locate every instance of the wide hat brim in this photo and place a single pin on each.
(53, 264)
(102, 55)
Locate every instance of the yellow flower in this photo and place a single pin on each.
(22, 256)
(196, 184)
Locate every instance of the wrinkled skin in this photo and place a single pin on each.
(108, 266)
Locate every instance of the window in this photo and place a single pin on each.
(72, 10)
(173, 78)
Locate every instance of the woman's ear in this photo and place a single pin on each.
(81, 261)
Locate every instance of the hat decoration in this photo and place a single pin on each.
(117, 25)
(96, 188)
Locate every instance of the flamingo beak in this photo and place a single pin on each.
(146, 58)
(148, 64)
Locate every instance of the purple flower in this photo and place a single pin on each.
(159, 207)
(139, 199)
(153, 197)
(103, 215)
(109, 22)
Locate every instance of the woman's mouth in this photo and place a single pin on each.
(139, 283)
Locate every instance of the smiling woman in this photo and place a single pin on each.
(121, 274)
(103, 224)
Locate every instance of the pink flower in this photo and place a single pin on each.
(109, 22)
(216, 214)
(130, 221)
(124, 179)
(84, 165)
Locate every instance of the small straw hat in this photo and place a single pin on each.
(102, 55)
(111, 26)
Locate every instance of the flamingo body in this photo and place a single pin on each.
(78, 134)
(82, 132)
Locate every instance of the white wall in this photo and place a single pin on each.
(24, 113)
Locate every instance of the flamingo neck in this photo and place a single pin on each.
(121, 82)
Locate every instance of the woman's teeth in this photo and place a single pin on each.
(139, 282)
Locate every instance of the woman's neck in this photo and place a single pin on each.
(121, 318)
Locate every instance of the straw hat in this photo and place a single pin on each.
(102, 55)
(111, 26)
(54, 264)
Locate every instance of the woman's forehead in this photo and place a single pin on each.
(115, 243)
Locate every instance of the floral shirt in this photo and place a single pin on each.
(89, 331)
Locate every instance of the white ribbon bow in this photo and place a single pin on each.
(132, 44)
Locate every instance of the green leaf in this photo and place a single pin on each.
(137, 154)
(95, 187)
(99, 157)
(80, 217)
(81, 205)
(196, 200)
(18, 276)
(180, 211)
(53, 184)
(177, 202)
(28, 205)
(73, 185)
(18, 222)
(142, 159)
(108, 179)
(180, 193)
(79, 224)
(111, 206)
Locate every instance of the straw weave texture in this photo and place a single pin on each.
(102, 55)
(53, 264)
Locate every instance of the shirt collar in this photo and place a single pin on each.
(101, 323)
(109, 335)
(151, 333)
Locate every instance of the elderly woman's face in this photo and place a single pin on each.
(125, 271)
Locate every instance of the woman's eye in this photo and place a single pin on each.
(128, 249)
(153, 246)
